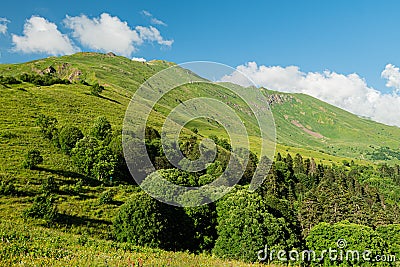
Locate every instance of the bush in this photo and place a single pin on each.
(245, 226)
(96, 89)
(144, 221)
(32, 159)
(8, 80)
(353, 237)
(49, 185)
(68, 137)
(204, 221)
(43, 207)
(391, 233)
(101, 128)
(7, 188)
(107, 197)
(42, 80)
(48, 126)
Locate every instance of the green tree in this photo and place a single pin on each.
(346, 236)
(144, 221)
(43, 207)
(104, 164)
(68, 137)
(96, 89)
(101, 128)
(245, 226)
(32, 159)
(48, 126)
(84, 153)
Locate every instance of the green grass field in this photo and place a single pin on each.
(84, 237)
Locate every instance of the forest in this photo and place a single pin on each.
(302, 205)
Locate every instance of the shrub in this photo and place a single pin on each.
(9, 80)
(43, 207)
(32, 159)
(68, 137)
(107, 197)
(245, 226)
(48, 126)
(204, 221)
(353, 237)
(96, 89)
(7, 188)
(49, 185)
(42, 80)
(391, 233)
(101, 128)
(144, 221)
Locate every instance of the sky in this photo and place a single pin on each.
(343, 52)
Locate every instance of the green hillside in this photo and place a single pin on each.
(304, 125)
(303, 121)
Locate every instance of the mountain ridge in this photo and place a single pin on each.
(302, 122)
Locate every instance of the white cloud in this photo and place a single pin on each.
(349, 92)
(108, 33)
(153, 35)
(153, 20)
(392, 74)
(42, 36)
(3, 25)
(140, 59)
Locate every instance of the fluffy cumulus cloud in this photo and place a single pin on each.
(42, 36)
(3, 25)
(108, 33)
(105, 33)
(153, 35)
(349, 92)
(392, 74)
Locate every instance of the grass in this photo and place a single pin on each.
(83, 237)
(31, 245)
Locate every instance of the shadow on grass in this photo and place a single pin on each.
(109, 99)
(69, 174)
(69, 220)
(66, 174)
(105, 98)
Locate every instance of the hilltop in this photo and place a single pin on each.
(304, 124)
(61, 88)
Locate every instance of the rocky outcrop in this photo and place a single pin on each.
(279, 99)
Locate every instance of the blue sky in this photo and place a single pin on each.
(344, 37)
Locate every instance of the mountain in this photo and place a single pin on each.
(303, 123)
(77, 89)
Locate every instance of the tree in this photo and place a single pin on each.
(144, 221)
(94, 159)
(84, 153)
(245, 226)
(43, 207)
(346, 236)
(48, 126)
(101, 128)
(32, 159)
(104, 164)
(68, 137)
(203, 220)
(96, 89)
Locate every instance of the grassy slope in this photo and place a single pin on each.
(345, 134)
(73, 104)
